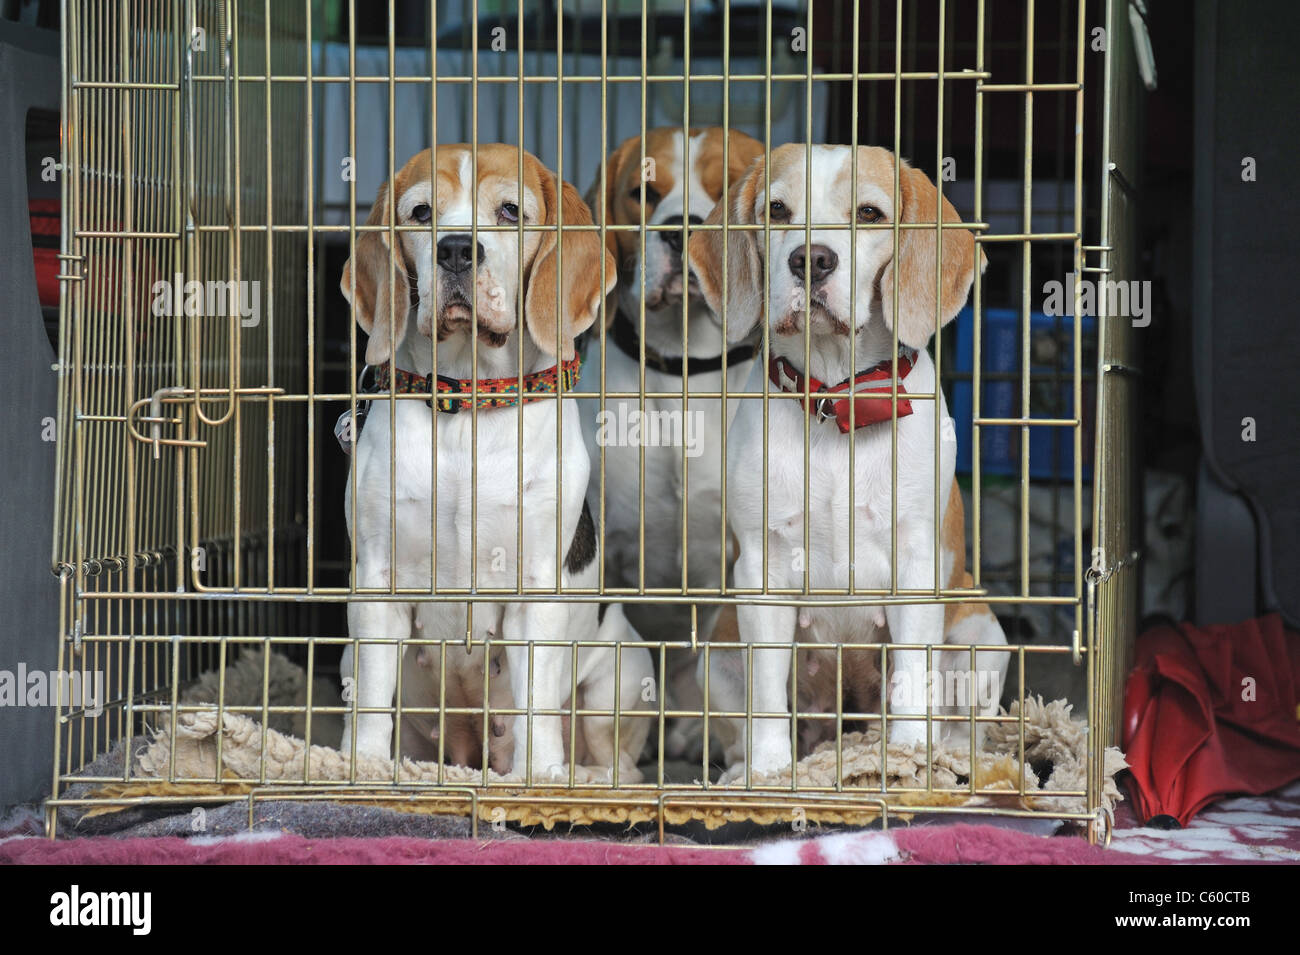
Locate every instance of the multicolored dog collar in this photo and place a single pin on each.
(481, 393)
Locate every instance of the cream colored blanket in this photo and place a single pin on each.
(1055, 754)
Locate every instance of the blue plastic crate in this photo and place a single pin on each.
(1051, 355)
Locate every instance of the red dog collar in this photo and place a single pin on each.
(870, 405)
(492, 392)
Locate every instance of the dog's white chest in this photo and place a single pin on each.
(468, 493)
(841, 522)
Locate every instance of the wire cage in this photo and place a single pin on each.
(221, 156)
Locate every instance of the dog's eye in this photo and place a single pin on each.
(509, 212)
(651, 194)
(778, 211)
(868, 214)
(422, 213)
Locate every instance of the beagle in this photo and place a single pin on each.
(462, 733)
(857, 294)
(673, 177)
(477, 452)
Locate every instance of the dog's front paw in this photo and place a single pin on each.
(556, 774)
(604, 775)
(910, 733)
(733, 776)
(554, 770)
(369, 743)
(764, 762)
(592, 775)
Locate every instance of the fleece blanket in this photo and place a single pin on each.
(916, 845)
(1055, 746)
(1245, 830)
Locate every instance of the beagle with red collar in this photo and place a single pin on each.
(854, 288)
(455, 460)
(672, 179)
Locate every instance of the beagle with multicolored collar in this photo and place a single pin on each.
(455, 477)
(854, 292)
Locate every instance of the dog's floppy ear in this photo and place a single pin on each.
(742, 149)
(707, 249)
(580, 286)
(615, 166)
(379, 271)
(597, 199)
(918, 309)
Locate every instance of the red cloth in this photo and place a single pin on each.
(1212, 711)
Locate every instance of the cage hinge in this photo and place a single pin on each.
(74, 261)
(1097, 574)
(1103, 825)
(1121, 180)
(1094, 269)
(1120, 368)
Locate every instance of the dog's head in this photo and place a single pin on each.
(440, 273)
(679, 180)
(798, 269)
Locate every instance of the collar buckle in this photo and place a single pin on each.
(445, 405)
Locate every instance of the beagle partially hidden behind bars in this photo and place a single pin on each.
(677, 182)
(869, 294)
(512, 457)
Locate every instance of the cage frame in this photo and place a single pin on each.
(1103, 596)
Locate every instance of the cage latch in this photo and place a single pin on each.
(174, 396)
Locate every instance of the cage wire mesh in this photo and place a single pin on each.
(232, 148)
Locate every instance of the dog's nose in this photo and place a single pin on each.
(455, 252)
(673, 237)
(824, 261)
